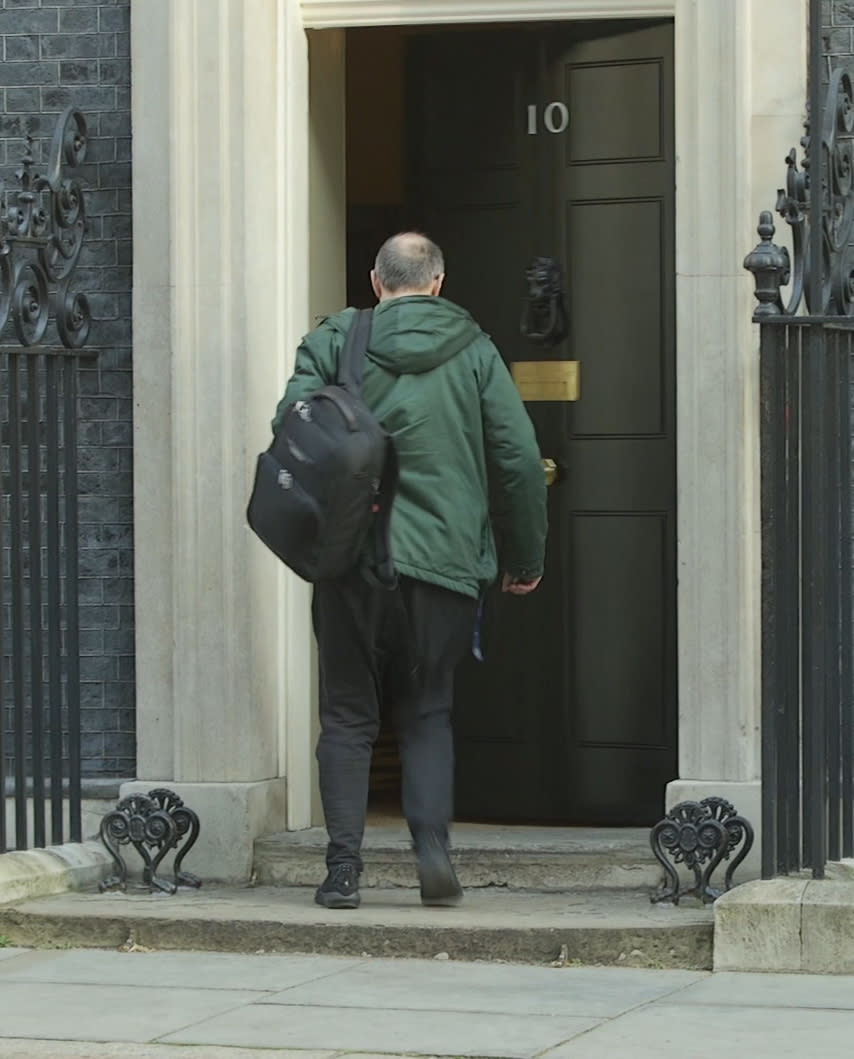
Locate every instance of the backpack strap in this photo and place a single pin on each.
(350, 360)
(384, 572)
(353, 352)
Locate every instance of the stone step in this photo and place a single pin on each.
(557, 860)
(620, 928)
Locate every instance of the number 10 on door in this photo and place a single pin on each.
(555, 118)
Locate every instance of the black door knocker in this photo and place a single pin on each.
(544, 316)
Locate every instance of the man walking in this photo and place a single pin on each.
(438, 386)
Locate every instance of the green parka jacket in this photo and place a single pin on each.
(440, 389)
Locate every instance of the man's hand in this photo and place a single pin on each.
(518, 588)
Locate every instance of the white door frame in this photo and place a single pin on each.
(740, 73)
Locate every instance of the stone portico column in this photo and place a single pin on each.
(220, 201)
(731, 143)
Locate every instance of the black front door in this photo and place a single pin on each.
(557, 141)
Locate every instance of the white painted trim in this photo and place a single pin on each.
(154, 555)
(292, 287)
(328, 14)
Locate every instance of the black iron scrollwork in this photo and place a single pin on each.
(42, 229)
(699, 835)
(153, 824)
(186, 830)
(770, 264)
(544, 316)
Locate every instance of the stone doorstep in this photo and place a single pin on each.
(563, 894)
(556, 860)
(796, 924)
(617, 928)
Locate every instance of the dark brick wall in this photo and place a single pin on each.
(57, 53)
(837, 19)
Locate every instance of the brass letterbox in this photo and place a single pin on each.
(547, 380)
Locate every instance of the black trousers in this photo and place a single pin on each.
(399, 648)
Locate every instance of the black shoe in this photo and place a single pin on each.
(340, 888)
(439, 883)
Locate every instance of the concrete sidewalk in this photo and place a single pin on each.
(82, 1004)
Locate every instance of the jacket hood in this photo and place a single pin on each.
(414, 334)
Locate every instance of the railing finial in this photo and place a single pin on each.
(770, 266)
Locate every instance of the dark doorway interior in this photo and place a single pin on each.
(506, 143)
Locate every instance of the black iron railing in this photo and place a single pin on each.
(807, 656)
(39, 638)
(806, 350)
(42, 228)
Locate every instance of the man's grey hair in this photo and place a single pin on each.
(408, 261)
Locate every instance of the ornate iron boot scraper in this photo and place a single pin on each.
(153, 824)
(699, 835)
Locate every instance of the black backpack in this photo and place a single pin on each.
(328, 478)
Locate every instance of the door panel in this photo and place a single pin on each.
(616, 111)
(612, 689)
(621, 351)
(572, 717)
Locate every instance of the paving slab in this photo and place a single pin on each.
(770, 990)
(421, 1032)
(267, 974)
(332, 1007)
(667, 1031)
(31, 1049)
(122, 1013)
(609, 928)
(447, 986)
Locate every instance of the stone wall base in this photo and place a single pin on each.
(794, 924)
(40, 872)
